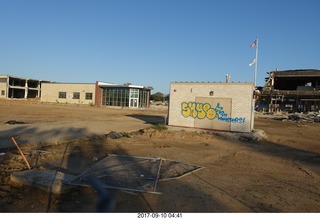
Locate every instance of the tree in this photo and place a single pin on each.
(167, 97)
(157, 96)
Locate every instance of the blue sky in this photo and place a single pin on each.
(153, 43)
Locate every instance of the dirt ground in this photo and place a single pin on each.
(278, 174)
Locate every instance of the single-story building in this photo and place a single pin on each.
(212, 106)
(99, 94)
(127, 95)
(81, 93)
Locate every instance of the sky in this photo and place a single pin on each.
(155, 42)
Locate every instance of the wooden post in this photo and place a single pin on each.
(25, 159)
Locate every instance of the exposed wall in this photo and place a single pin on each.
(50, 93)
(15, 87)
(218, 106)
(3, 87)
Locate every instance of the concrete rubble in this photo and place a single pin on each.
(115, 135)
(299, 117)
(129, 173)
(14, 122)
(310, 117)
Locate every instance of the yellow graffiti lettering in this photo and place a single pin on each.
(200, 111)
(186, 111)
(206, 107)
(211, 114)
(193, 112)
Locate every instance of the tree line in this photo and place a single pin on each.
(158, 96)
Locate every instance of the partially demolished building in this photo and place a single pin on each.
(291, 91)
(16, 87)
(99, 93)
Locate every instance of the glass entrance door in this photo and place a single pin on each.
(134, 102)
(134, 98)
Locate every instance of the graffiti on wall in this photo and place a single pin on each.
(205, 110)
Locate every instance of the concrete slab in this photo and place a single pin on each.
(47, 180)
(57, 132)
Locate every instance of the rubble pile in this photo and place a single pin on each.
(310, 117)
(115, 135)
(299, 117)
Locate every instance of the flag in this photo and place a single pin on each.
(253, 44)
(252, 63)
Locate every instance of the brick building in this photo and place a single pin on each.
(99, 94)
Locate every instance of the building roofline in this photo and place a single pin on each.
(210, 82)
(296, 73)
(23, 78)
(107, 84)
(51, 82)
(126, 86)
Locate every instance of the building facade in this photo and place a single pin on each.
(16, 87)
(68, 93)
(291, 90)
(127, 95)
(99, 94)
(212, 106)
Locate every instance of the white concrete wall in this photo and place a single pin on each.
(50, 93)
(241, 119)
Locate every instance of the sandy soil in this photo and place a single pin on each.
(278, 174)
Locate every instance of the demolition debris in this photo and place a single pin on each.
(124, 172)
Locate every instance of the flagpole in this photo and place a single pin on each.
(256, 64)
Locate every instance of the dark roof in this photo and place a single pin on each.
(297, 73)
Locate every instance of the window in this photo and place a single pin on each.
(3, 80)
(88, 96)
(76, 95)
(3, 92)
(115, 97)
(134, 93)
(143, 95)
(63, 95)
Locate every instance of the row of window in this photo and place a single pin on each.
(75, 95)
(124, 97)
(116, 97)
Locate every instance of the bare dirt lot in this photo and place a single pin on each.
(278, 174)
